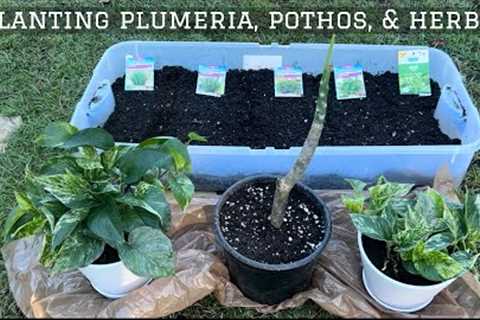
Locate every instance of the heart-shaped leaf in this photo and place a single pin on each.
(105, 222)
(77, 251)
(55, 134)
(148, 253)
(96, 137)
(151, 198)
(182, 189)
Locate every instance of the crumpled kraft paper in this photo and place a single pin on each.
(337, 285)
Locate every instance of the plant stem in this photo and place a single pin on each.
(285, 184)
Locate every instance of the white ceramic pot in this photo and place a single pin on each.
(112, 280)
(395, 295)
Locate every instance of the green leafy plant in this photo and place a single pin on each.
(430, 236)
(138, 78)
(94, 193)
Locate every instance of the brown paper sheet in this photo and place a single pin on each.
(337, 285)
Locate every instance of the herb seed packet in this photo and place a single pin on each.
(349, 83)
(139, 75)
(211, 80)
(288, 82)
(414, 72)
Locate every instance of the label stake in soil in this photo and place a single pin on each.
(285, 184)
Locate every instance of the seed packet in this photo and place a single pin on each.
(414, 72)
(349, 83)
(288, 81)
(211, 80)
(139, 75)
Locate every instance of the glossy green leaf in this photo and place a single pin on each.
(105, 222)
(150, 198)
(133, 218)
(439, 241)
(467, 260)
(357, 185)
(455, 223)
(193, 136)
(135, 163)
(173, 147)
(435, 265)
(56, 134)
(24, 202)
(34, 225)
(148, 253)
(375, 227)
(472, 212)
(77, 251)
(49, 216)
(110, 157)
(354, 204)
(182, 189)
(381, 194)
(70, 189)
(14, 216)
(410, 267)
(66, 224)
(59, 165)
(96, 137)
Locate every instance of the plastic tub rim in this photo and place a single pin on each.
(266, 266)
(471, 146)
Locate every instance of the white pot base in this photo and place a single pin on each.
(383, 304)
(115, 296)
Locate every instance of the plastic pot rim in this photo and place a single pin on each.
(396, 282)
(267, 266)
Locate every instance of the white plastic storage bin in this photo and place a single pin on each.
(216, 167)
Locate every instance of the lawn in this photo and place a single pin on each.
(43, 75)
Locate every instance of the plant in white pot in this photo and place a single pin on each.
(412, 245)
(101, 207)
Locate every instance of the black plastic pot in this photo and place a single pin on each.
(270, 283)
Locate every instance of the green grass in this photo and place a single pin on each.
(43, 76)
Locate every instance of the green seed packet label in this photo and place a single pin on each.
(139, 75)
(414, 72)
(211, 80)
(288, 81)
(349, 83)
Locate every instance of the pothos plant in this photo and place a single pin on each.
(93, 192)
(428, 235)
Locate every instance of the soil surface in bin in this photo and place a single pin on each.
(245, 225)
(377, 252)
(109, 255)
(249, 114)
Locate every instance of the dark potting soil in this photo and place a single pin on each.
(249, 114)
(246, 227)
(377, 251)
(109, 255)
